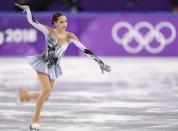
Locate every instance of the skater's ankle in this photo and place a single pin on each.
(35, 121)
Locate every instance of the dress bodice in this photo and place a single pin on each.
(54, 50)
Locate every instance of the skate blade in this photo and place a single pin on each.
(19, 103)
(35, 127)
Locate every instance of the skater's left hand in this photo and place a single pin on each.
(104, 67)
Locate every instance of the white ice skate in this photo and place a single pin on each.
(19, 103)
(34, 127)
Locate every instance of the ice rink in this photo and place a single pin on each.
(140, 94)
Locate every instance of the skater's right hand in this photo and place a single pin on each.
(23, 7)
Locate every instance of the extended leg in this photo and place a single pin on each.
(26, 95)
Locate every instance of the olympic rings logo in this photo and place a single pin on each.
(144, 40)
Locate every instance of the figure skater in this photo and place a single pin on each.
(47, 65)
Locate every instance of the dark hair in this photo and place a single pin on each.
(56, 16)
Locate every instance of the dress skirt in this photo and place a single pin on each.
(40, 65)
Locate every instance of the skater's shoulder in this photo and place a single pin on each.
(72, 35)
(50, 30)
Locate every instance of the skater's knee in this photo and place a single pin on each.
(47, 90)
(47, 98)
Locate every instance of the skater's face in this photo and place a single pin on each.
(61, 22)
